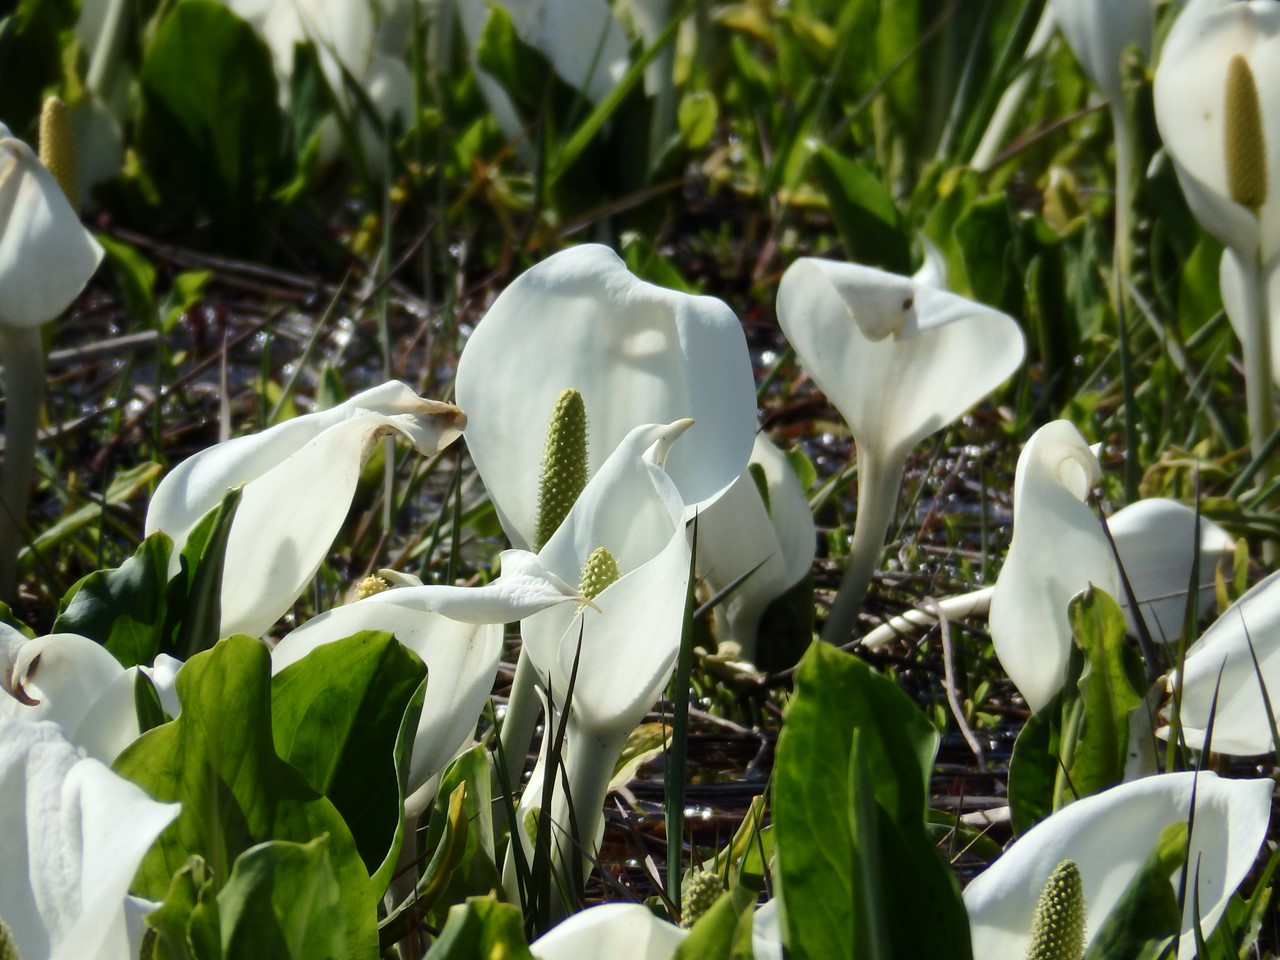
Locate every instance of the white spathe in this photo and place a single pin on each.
(1058, 549)
(72, 834)
(1109, 836)
(299, 479)
(636, 352)
(1099, 32)
(456, 631)
(740, 532)
(898, 357)
(46, 254)
(1221, 664)
(1190, 102)
(610, 930)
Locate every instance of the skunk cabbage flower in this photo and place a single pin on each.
(763, 523)
(610, 930)
(72, 835)
(456, 631)
(1221, 664)
(299, 477)
(636, 353)
(1109, 836)
(625, 540)
(899, 359)
(1099, 32)
(1058, 549)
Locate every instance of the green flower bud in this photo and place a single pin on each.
(1246, 142)
(1057, 930)
(701, 891)
(564, 464)
(58, 149)
(598, 572)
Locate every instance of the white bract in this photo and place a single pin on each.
(1109, 837)
(610, 930)
(1221, 664)
(1058, 549)
(72, 835)
(1100, 31)
(636, 352)
(299, 479)
(741, 532)
(456, 631)
(899, 359)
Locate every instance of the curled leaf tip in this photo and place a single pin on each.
(1057, 930)
(58, 149)
(564, 463)
(1246, 141)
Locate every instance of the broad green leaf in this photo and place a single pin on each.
(124, 609)
(187, 925)
(482, 927)
(1146, 920)
(985, 237)
(521, 69)
(135, 277)
(844, 813)
(199, 582)
(218, 759)
(1107, 693)
(283, 902)
(869, 222)
(716, 931)
(337, 716)
(697, 116)
(1033, 768)
(211, 125)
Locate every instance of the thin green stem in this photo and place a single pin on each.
(877, 498)
(1121, 269)
(22, 351)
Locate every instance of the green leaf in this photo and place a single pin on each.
(473, 871)
(337, 716)
(870, 224)
(521, 69)
(1107, 692)
(482, 927)
(187, 926)
(188, 288)
(199, 584)
(1146, 919)
(283, 902)
(124, 609)
(135, 276)
(126, 485)
(717, 930)
(850, 785)
(211, 125)
(697, 115)
(1033, 768)
(219, 761)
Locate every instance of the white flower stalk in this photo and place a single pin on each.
(299, 479)
(900, 360)
(626, 649)
(1221, 664)
(1109, 837)
(1099, 32)
(72, 835)
(1215, 99)
(46, 258)
(610, 930)
(743, 531)
(1058, 549)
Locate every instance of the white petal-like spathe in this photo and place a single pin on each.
(1155, 539)
(610, 930)
(1235, 280)
(898, 358)
(1242, 726)
(636, 352)
(1109, 836)
(631, 508)
(461, 661)
(300, 477)
(739, 532)
(1099, 32)
(72, 834)
(1190, 101)
(46, 255)
(1058, 549)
